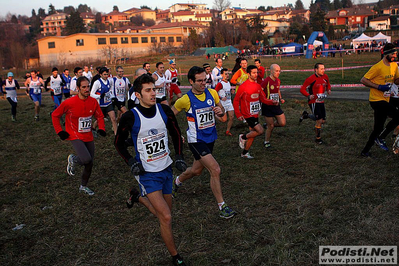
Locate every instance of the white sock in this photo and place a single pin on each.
(220, 205)
(178, 181)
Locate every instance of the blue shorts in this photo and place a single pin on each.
(151, 182)
(57, 100)
(36, 97)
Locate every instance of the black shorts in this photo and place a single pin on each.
(67, 95)
(200, 149)
(271, 110)
(107, 109)
(159, 100)
(252, 121)
(318, 110)
(394, 102)
(118, 104)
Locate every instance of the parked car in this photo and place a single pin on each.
(347, 37)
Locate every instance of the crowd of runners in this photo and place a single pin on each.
(143, 115)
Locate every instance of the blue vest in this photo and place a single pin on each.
(67, 80)
(105, 88)
(201, 119)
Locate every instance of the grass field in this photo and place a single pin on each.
(290, 199)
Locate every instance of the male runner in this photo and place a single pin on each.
(224, 90)
(33, 90)
(208, 76)
(78, 71)
(241, 75)
(11, 85)
(56, 84)
(173, 81)
(133, 101)
(148, 124)
(147, 67)
(217, 71)
(379, 79)
(261, 71)
(160, 84)
(78, 112)
(103, 92)
(67, 79)
(121, 87)
(315, 88)
(87, 73)
(95, 77)
(201, 106)
(271, 87)
(247, 106)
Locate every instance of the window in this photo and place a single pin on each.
(135, 39)
(171, 39)
(102, 41)
(144, 39)
(162, 39)
(358, 19)
(51, 45)
(153, 39)
(178, 39)
(79, 42)
(124, 40)
(113, 40)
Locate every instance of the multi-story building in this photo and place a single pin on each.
(196, 8)
(380, 23)
(234, 14)
(353, 18)
(183, 28)
(115, 18)
(54, 24)
(90, 47)
(145, 13)
(391, 10)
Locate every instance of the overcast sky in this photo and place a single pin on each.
(24, 7)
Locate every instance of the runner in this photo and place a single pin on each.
(217, 71)
(224, 90)
(11, 85)
(78, 71)
(379, 79)
(121, 87)
(173, 81)
(56, 84)
(133, 101)
(247, 106)
(87, 73)
(103, 92)
(67, 79)
(315, 88)
(208, 76)
(33, 90)
(271, 87)
(241, 75)
(201, 105)
(160, 84)
(97, 76)
(148, 124)
(78, 113)
(261, 71)
(147, 67)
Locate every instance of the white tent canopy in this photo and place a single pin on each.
(382, 37)
(362, 38)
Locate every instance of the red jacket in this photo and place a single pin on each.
(78, 114)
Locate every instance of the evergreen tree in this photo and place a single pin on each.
(42, 13)
(337, 4)
(74, 24)
(14, 19)
(115, 9)
(317, 20)
(51, 9)
(347, 3)
(262, 8)
(299, 5)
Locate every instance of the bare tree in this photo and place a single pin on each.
(221, 5)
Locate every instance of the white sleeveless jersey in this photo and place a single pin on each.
(120, 88)
(55, 84)
(34, 86)
(11, 90)
(160, 92)
(152, 142)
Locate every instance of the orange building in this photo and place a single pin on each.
(54, 24)
(115, 18)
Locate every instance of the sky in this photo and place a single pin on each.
(24, 7)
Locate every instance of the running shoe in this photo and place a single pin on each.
(13, 118)
(247, 156)
(241, 141)
(304, 115)
(381, 143)
(134, 197)
(86, 190)
(395, 146)
(366, 154)
(71, 165)
(175, 187)
(178, 261)
(36, 118)
(267, 144)
(226, 212)
(319, 141)
(228, 133)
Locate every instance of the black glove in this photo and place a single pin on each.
(102, 133)
(178, 83)
(63, 135)
(102, 96)
(180, 164)
(174, 80)
(115, 101)
(136, 168)
(384, 87)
